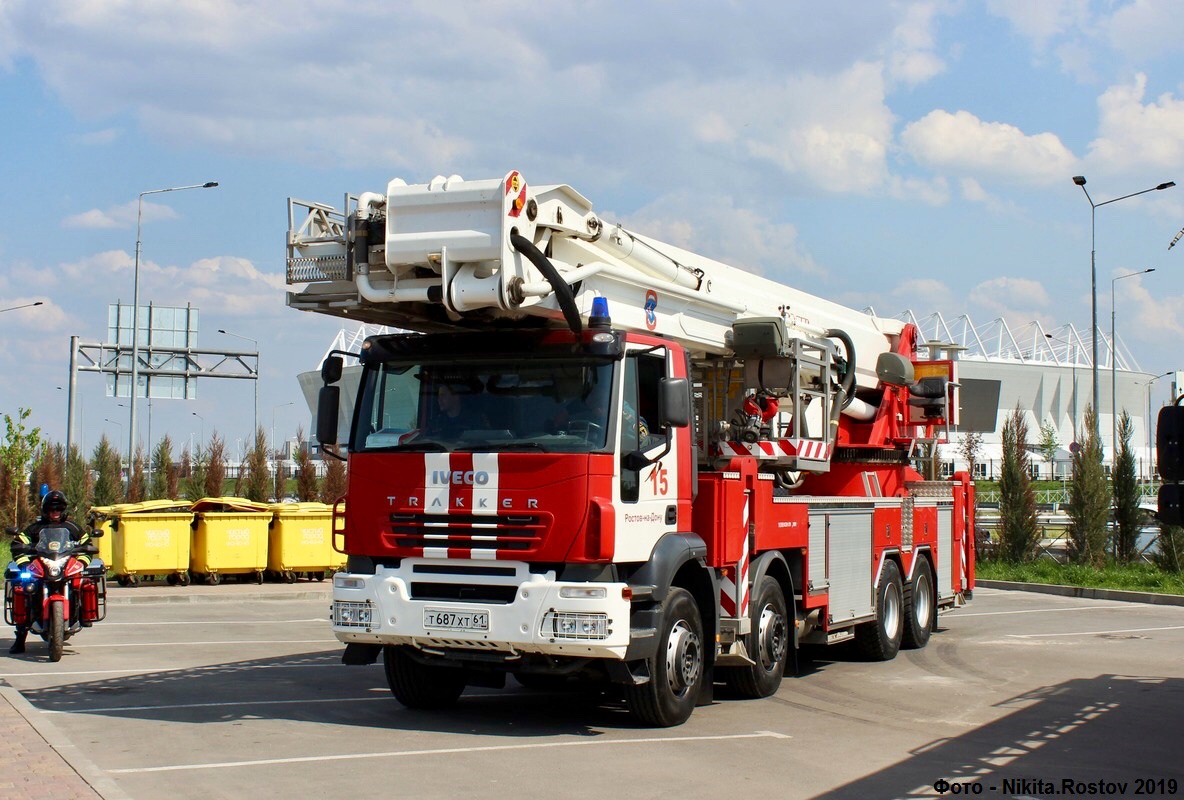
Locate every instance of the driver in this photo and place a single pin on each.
(53, 515)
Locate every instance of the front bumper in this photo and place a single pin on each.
(538, 617)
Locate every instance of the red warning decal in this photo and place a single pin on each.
(516, 185)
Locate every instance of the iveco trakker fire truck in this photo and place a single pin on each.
(594, 456)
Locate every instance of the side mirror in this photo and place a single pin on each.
(11, 531)
(327, 403)
(1169, 443)
(674, 402)
(1170, 498)
(97, 533)
(331, 369)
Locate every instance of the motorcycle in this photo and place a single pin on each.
(55, 595)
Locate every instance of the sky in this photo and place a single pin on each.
(902, 156)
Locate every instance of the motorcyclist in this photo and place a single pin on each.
(53, 515)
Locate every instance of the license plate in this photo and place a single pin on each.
(456, 620)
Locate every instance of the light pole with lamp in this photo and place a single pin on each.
(1093, 270)
(256, 354)
(203, 427)
(1150, 438)
(135, 377)
(273, 410)
(1114, 360)
(26, 305)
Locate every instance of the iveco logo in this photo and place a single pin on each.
(470, 477)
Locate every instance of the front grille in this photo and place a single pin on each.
(464, 593)
(504, 533)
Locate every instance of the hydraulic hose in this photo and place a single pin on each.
(848, 382)
(563, 293)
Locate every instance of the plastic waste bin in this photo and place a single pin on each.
(100, 520)
(300, 540)
(229, 538)
(148, 538)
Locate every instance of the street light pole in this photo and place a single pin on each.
(1114, 361)
(1093, 271)
(203, 427)
(26, 305)
(256, 343)
(273, 410)
(135, 377)
(1150, 440)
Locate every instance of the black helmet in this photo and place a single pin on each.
(54, 501)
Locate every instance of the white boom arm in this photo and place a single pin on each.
(456, 254)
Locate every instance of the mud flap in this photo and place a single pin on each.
(358, 654)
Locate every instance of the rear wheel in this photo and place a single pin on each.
(676, 670)
(920, 607)
(767, 643)
(417, 685)
(57, 629)
(879, 639)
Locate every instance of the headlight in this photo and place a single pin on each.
(568, 625)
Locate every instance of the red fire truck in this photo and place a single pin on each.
(594, 456)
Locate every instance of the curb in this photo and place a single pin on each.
(86, 769)
(1150, 598)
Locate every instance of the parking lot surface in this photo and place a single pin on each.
(238, 691)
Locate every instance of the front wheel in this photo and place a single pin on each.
(879, 639)
(677, 669)
(57, 629)
(419, 686)
(767, 643)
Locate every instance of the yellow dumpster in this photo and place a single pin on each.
(99, 520)
(301, 541)
(229, 538)
(149, 538)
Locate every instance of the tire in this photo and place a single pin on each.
(213, 579)
(879, 640)
(920, 607)
(57, 629)
(419, 686)
(677, 670)
(183, 578)
(289, 576)
(259, 577)
(767, 643)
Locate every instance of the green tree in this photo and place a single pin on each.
(105, 463)
(969, 448)
(1018, 532)
(137, 486)
(163, 471)
(194, 486)
(1089, 497)
(16, 454)
(1128, 517)
(334, 484)
(76, 483)
(307, 485)
(1169, 556)
(1048, 445)
(215, 466)
(258, 476)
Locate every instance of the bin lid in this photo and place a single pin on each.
(215, 504)
(283, 509)
(151, 505)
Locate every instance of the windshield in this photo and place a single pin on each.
(497, 403)
(53, 541)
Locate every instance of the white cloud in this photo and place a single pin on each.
(1144, 29)
(121, 216)
(1043, 20)
(912, 60)
(1135, 135)
(963, 143)
(716, 228)
(1016, 300)
(923, 295)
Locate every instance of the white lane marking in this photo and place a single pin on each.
(97, 710)
(216, 622)
(1047, 610)
(230, 641)
(449, 751)
(1093, 633)
(173, 668)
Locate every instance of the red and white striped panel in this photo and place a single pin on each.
(733, 586)
(779, 448)
(441, 496)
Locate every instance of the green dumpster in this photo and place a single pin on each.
(301, 540)
(229, 538)
(148, 538)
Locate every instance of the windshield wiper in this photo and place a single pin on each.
(503, 447)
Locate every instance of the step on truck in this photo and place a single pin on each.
(591, 456)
